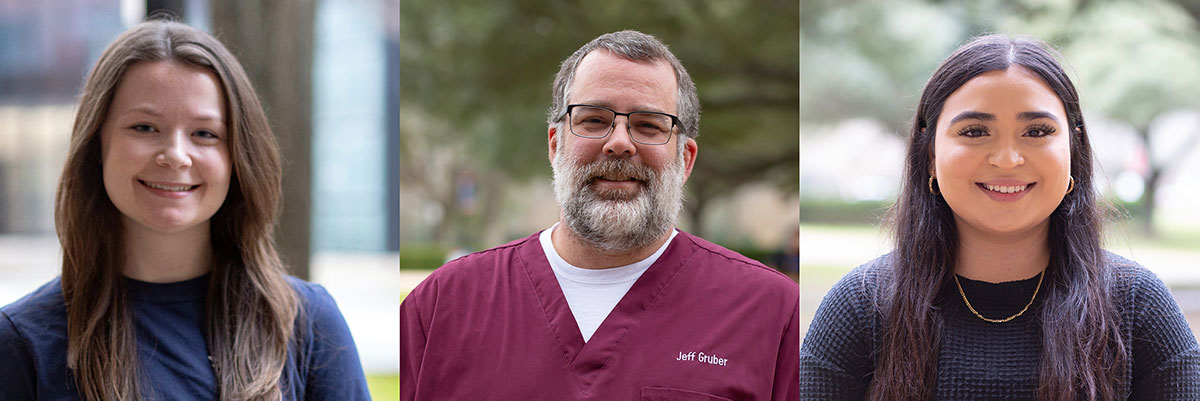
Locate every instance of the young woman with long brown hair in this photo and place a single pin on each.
(998, 287)
(171, 287)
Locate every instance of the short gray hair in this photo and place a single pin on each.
(636, 46)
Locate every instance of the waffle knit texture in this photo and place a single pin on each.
(979, 360)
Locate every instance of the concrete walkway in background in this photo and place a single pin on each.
(366, 287)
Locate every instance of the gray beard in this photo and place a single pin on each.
(612, 220)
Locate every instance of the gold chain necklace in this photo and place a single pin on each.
(1035, 292)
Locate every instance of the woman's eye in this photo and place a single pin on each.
(206, 134)
(1039, 131)
(142, 128)
(973, 132)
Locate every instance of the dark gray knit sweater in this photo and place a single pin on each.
(979, 360)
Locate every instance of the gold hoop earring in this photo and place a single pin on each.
(935, 193)
(1070, 187)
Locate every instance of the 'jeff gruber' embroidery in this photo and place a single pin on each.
(701, 357)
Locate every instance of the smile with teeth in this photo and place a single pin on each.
(170, 188)
(1005, 189)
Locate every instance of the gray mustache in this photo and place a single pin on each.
(618, 167)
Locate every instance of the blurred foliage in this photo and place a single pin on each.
(476, 79)
(422, 257)
(873, 57)
(822, 211)
(1133, 61)
(763, 255)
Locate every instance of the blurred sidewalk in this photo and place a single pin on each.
(366, 287)
(824, 246)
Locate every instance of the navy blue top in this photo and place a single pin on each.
(172, 351)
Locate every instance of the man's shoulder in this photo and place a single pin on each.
(491, 258)
(483, 265)
(727, 262)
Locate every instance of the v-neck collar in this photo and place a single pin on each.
(587, 360)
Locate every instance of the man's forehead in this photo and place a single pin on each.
(601, 57)
(607, 79)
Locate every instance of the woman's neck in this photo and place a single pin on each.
(996, 258)
(166, 258)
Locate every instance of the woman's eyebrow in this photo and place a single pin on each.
(973, 115)
(1034, 115)
(1023, 116)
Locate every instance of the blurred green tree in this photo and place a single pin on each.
(476, 78)
(1134, 61)
(1139, 61)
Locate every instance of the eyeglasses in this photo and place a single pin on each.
(644, 127)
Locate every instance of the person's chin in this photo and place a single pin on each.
(616, 194)
(171, 223)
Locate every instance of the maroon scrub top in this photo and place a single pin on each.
(702, 323)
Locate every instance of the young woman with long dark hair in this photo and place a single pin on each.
(171, 287)
(998, 287)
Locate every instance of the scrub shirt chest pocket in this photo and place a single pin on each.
(672, 394)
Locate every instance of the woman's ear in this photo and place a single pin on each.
(929, 154)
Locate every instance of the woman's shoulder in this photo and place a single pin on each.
(1126, 271)
(1132, 281)
(330, 365)
(863, 280)
(33, 334)
(850, 305)
(315, 300)
(1165, 354)
(44, 307)
(836, 356)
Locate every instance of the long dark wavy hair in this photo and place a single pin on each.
(1081, 344)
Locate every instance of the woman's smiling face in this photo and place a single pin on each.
(165, 148)
(1002, 152)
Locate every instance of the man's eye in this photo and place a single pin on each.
(649, 126)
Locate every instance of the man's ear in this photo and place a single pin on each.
(553, 142)
(690, 150)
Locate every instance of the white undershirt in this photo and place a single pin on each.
(593, 293)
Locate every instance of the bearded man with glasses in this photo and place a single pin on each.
(613, 302)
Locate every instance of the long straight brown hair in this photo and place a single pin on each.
(251, 309)
(1082, 350)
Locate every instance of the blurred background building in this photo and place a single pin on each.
(327, 72)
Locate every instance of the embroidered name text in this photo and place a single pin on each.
(701, 357)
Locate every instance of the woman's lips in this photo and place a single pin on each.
(173, 190)
(1005, 192)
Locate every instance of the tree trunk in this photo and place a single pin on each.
(274, 42)
(1148, 201)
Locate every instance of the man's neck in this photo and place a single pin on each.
(166, 258)
(997, 258)
(579, 253)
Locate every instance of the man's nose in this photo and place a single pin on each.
(620, 141)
